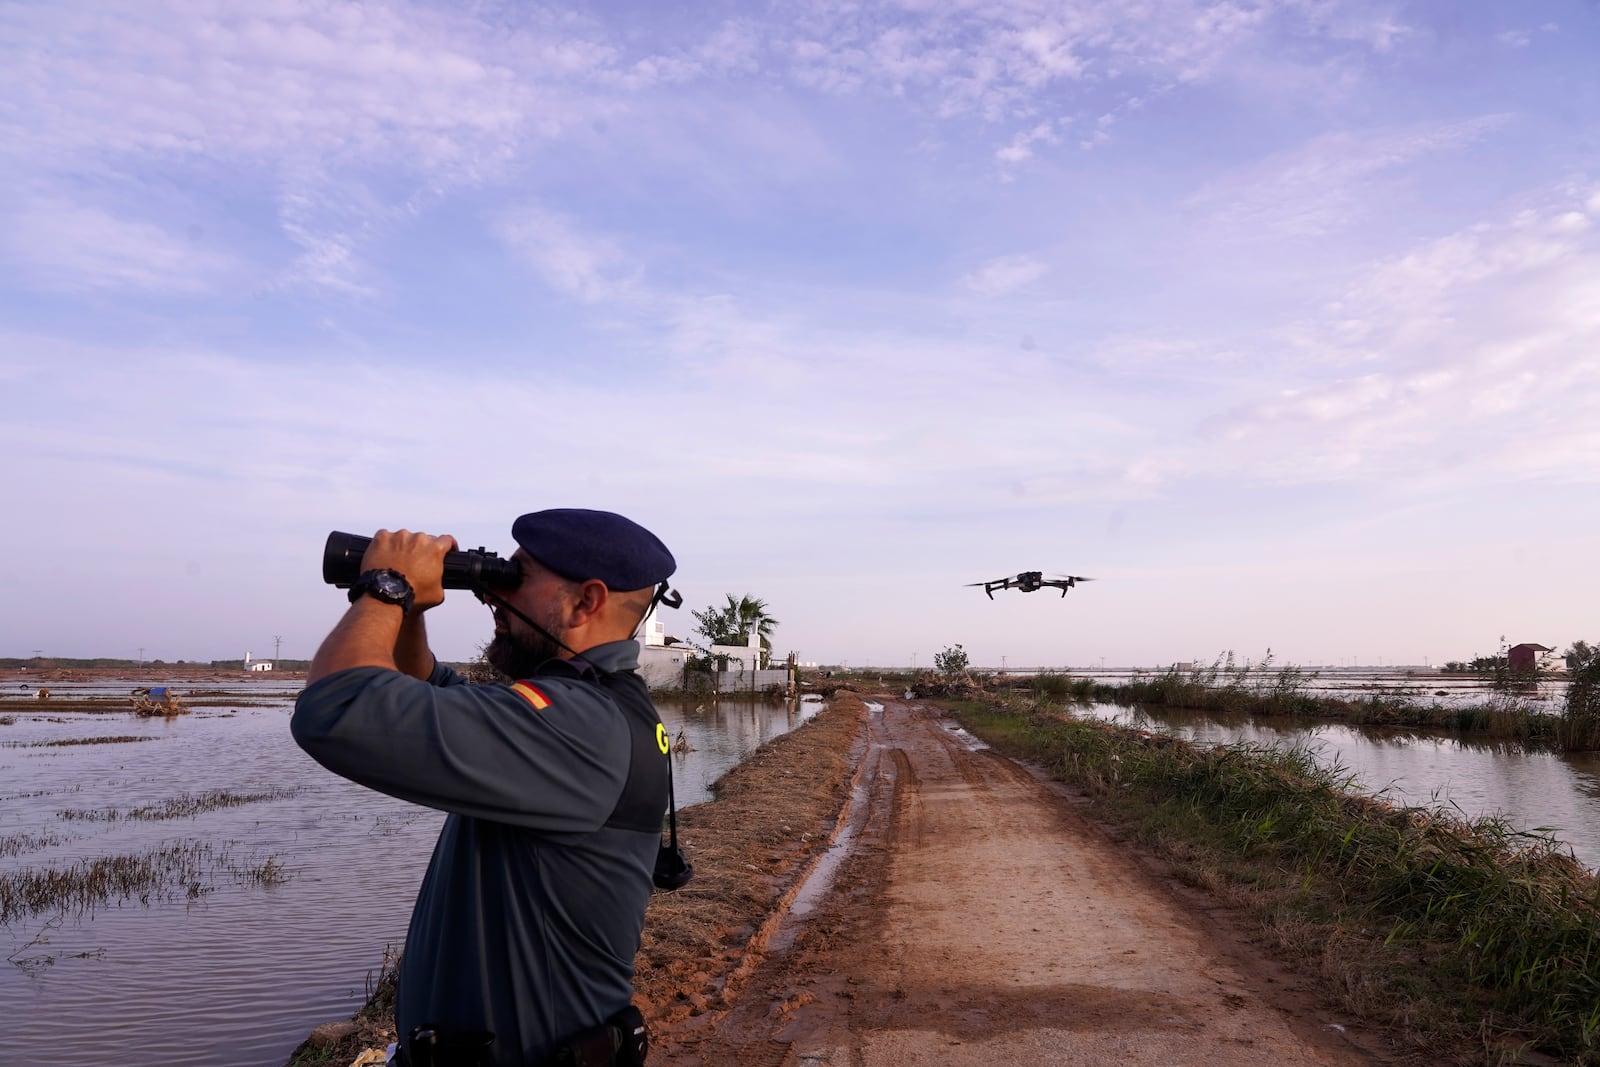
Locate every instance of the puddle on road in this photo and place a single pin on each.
(967, 741)
(820, 881)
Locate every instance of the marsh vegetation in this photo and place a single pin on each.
(1234, 685)
(182, 806)
(1454, 931)
(182, 869)
(17, 844)
(68, 742)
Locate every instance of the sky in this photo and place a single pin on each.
(1278, 318)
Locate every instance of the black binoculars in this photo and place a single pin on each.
(476, 568)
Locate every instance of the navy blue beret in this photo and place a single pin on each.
(580, 544)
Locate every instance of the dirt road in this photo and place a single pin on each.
(976, 918)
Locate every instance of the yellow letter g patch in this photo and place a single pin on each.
(661, 739)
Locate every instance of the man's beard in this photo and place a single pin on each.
(520, 655)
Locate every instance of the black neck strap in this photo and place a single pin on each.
(487, 595)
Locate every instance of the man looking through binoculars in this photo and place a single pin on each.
(521, 943)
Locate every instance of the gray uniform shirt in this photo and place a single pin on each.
(531, 910)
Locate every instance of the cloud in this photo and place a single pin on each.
(1020, 148)
(387, 81)
(75, 247)
(1319, 186)
(998, 59)
(1004, 274)
(354, 114)
(579, 264)
(1482, 351)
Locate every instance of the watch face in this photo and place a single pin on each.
(390, 586)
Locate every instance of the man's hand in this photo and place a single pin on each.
(373, 634)
(418, 556)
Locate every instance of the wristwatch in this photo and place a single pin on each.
(386, 585)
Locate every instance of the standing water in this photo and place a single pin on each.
(220, 962)
(1554, 791)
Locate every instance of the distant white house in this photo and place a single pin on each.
(749, 656)
(256, 665)
(660, 664)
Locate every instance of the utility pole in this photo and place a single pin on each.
(141, 655)
(277, 646)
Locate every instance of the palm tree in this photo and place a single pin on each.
(734, 623)
(750, 613)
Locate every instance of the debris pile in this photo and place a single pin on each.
(159, 701)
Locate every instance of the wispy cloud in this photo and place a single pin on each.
(1322, 185)
(1003, 274)
(392, 100)
(572, 261)
(1481, 355)
(1020, 147)
(73, 247)
(996, 59)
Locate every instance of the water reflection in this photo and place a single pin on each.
(722, 733)
(1554, 791)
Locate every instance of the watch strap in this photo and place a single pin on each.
(380, 584)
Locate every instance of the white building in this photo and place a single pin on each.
(257, 665)
(749, 656)
(660, 664)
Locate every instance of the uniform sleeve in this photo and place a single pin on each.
(442, 675)
(486, 751)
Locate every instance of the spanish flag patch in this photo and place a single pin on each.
(532, 695)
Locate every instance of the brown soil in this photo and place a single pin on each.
(979, 919)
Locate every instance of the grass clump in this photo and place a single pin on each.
(17, 844)
(171, 871)
(182, 806)
(1448, 928)
(1580, 722)
(66, 742)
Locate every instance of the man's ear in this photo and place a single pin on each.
(592, 597)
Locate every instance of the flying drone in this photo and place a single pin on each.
(1032, 582)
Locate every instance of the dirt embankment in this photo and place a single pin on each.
(979, 919)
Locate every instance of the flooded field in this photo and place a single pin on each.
(1559, 792)
(238, 894)
(1418, 685)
